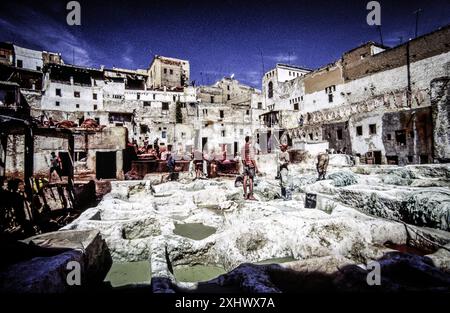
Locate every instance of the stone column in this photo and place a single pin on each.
(119, 165)
(440, 104)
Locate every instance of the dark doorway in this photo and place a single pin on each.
(105, 165)
(235, 148)
(66, 163)
(377, 157)
(424, 159)
(392, 159)
(204, 142)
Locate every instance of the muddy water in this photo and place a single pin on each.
(196, 231)
(276, 260)
(196, 273)
(122, 274)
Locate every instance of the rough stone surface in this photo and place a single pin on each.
(356, 214)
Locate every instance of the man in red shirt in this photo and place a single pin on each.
(248, 160)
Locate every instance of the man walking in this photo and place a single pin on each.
(283, 162)
(171, 165)
(55, 166)
(322, 164)
(248, 160)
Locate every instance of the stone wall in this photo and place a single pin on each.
(407, 136)
(331, 133)
(421, 48)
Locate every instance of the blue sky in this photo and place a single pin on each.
(219, 38)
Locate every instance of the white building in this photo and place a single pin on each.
(28, 59)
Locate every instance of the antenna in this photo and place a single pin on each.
(262, 62)
(417, 20)
(381, 34)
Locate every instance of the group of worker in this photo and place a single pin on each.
(250, 169)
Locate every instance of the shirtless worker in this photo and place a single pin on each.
(322, 164)
(283, 162)
(249, 163)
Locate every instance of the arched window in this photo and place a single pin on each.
(270, 90)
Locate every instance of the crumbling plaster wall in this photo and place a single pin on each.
(367, 142)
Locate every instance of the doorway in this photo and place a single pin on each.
(105, 165)
(377, 157)
(204, 143)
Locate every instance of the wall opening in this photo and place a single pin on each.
(105, 165)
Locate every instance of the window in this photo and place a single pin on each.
(97, 120)
(58, 92)
(171, 72)
(228, 97)
(165, 106)
(330, 97)
(95, 107)
(38, 68)
(359, 131)
(221, 113)
(76, 94)
(247, 112)
(19, 63)
(77, 106)
(400, 137)
(301, 98)
(389, 136)
(143, 128)
(212, 99)
(205, 112)
(163, 134)
(147, 103)
(311, 136)
(228, 87)
(410, 159)
(222, 133)
(339, 134)
(165, 71)
(411, 134)
(270, 90)
(154, 96)
(57, 103)
(241, 132)
(94, 96)
(260, 105)
(296, 106)
(183, 135)
(372, 129)
(138, 96)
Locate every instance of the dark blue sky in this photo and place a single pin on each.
(219, 38)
